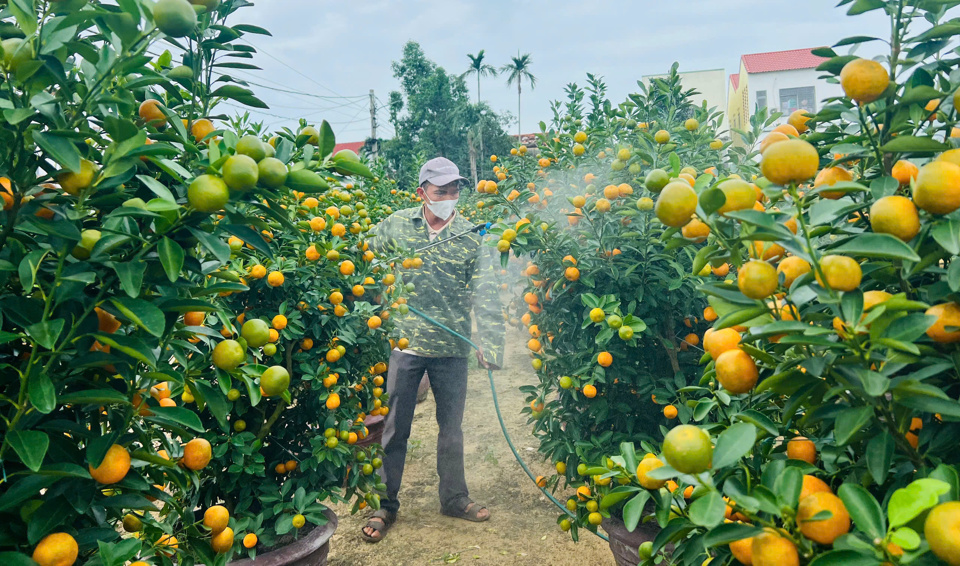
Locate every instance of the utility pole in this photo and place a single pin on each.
(373, 124)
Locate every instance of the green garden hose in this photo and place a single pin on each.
(503, 426)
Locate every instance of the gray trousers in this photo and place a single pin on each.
(448, 379)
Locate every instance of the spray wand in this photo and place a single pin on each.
(479, 228)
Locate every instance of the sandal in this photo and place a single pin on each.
(470, 513)
(380, 522)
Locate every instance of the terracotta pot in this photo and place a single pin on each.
(310, 550)
(374, 424)
(625, 544)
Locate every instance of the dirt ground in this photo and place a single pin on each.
(522, 528)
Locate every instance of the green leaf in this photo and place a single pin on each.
(64, 470)
(176, 416)
(760, 420)
(844, 557)
(327, 140)
(142, 313)
(216, 246)
(16, 559)
(708, 510)
(910, 327)
(944, 30)
(46, 332)
(879, 456)
(788, 486)
(948, 475)
(30, 445)
(171, 258)
(863, 509)
(920, 93)
(913, 144)
(131, 276)
(616, 496)
(953, 276)
(835, 64)
(905, 538)
(947, 234)
(250, 236)
(877, 245)
(157, 187)
(629, 454)
(49, 516)
(908, 502)
(633, 510)
(103, 396)
(675, 162)
(118, 553)
(42, 394)
(353, 168)
(60, 149)
(711, 200)
(850, 421)
(855, 40)
(129, 345)
(23, 490)
(27, 270)
(703, 255)
(664, 472)
(25, 12)
(249, 28)
(740, 316)
(733, 444)
(703, 408)
(927, 404)
(729, 532)
(754, 218)
(216, 402)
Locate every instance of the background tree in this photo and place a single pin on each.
(479, 68)
(432, 115)
(519, 69)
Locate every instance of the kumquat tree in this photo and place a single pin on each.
(822, 424)
(179, 300)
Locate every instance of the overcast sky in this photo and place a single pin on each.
(344, 48)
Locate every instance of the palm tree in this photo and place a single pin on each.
(479, 68)
(519, 69)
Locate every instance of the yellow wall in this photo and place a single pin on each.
(738, 111)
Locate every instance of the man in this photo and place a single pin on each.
(455, 277)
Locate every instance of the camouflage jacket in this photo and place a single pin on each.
(456, 276)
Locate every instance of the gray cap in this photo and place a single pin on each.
(439, 171)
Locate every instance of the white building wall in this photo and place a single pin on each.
(775, 82)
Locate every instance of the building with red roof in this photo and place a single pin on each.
(782, 81)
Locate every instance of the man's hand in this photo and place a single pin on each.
(484, 363)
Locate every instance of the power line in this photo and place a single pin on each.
(295, 70)
(352, 100)
(352, 120)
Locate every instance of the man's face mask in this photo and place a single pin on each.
(443, 209)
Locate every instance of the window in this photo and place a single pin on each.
(761, 99)
(798, 98)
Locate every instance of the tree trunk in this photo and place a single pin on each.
(519, 128)
(473, 158)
